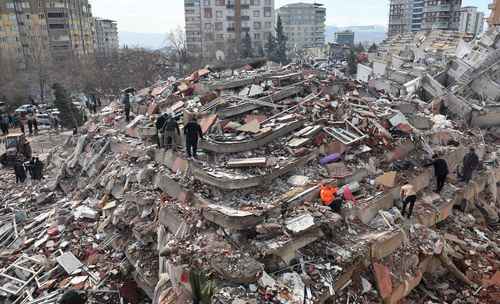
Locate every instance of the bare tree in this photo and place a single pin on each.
(176, 42)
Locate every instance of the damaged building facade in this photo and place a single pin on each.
(125, 221)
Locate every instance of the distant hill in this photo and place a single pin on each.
(367, 33)
(146, 40)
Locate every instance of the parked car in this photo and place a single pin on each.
(25, 108)
(43, 119)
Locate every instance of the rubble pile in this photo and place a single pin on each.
(123, 220)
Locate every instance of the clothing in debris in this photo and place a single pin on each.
(20, 172)
(409, 196)
(441, 172)
(470, 164)
(192, 132)
(327, 194)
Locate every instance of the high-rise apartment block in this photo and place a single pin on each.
(32, 29)
(106, 37)
(441, 15)
(494, 19)
(471, 21)
(344, 38)
(304, 24)
(420, 15)
(217, 27)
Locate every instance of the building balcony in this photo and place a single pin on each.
(437, 8)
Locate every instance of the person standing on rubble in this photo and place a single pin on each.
(4, 124)
(409, 197)
(440, 171)
(126, 105)
(171, 131)
(470, 164)
(19, 171)
(192, 132)
(160, 125)
(30, 122)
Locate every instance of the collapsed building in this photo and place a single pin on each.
(125, 221)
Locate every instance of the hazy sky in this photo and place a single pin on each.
(158, 16)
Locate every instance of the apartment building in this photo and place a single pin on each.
(471, 21)
(417, 15)
(215, 28)
(304, 25)
(23, 31)
(441, 15)
(106, 37)
(344, 38)
(41, 28)
(494, 19)
(399, 17)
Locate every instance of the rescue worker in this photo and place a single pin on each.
(38, 169)
(30, 122)
(160, 125)
(440, 171)
(19, 171)
(30, 167)
(192, 132)
(470, 164)
(170, 131)
(4, 124)
(329, 197)
(409, 197)
(126, 106)
(72, 297)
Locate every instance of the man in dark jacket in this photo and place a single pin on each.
(19, 171)
(192, 132)
(126, 106)
(440, 171)
(38, 169)
(470, 164)
(170, 132)
(160, 125)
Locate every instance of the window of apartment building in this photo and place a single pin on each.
(268, 25)
(208, 26)
(209, 36)
(207, 12)
(55, 15)
(268, 2)
(9, 5)
(255, 2)
(245, 2)
(219, 14)
(220, 36)
(57, 26)
(257, 25)
(268, 11)
(206, 2)
(220, 2)
(219, 26)
(256, 14)
(190, 12)
(256, 36)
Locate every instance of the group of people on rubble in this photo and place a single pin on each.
(34, 167)
(470, 164)
(168, 134)
(334, 198)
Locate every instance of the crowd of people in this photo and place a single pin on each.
(34, 168)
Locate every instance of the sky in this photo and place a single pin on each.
(159, 16)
